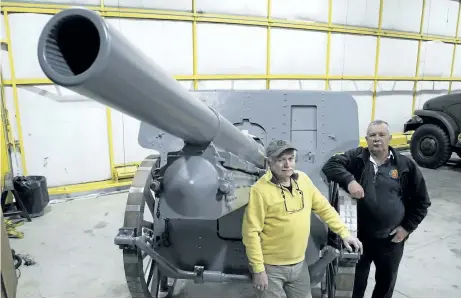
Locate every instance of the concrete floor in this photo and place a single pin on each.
(76, 257)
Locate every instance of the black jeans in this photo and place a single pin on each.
(386, 256)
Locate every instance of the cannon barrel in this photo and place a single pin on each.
(79, 50)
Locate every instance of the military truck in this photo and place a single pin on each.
(437, 131)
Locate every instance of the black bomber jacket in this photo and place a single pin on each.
(354, 165)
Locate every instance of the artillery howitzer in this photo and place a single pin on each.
(197, 186)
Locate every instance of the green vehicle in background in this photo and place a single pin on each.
(437, 131)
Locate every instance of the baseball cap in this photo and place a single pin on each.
(276, 147)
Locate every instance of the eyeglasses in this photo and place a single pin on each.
(285, 200)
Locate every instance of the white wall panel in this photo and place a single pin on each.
(63, 143)
(298, 84)
(457, 64)
(440, 17)
(352, 55)
(297, 52)
(168, 43)
(456, 87)
(393, 103)
(363, 13)
(64, 134)
(362, 92)
(187, 84)
(427, 90)
(435, 59)
(182, 5)
(9, 104)
(125, 131)
(405, 50)
(125, 139)
(5, 62)
(72, 2)
(2, 27)
(402, 15)
(312, 10)
(172, 54)
(459, 29)
(232, 84)
(230, 49)
(234, 7)
(25, 30)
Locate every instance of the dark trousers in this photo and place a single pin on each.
(386, 256)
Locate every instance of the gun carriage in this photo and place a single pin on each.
(184, 209)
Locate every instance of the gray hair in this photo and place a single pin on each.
(378, 122)
(274, 159)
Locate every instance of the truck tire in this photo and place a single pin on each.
(430, 146)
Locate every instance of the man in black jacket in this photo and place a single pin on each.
(392, 200)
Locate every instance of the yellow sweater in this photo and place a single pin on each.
(273, 236)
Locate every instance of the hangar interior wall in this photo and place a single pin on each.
(391, 55)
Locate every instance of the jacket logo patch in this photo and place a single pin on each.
(394, 174)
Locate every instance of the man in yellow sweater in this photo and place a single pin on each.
(276, 225)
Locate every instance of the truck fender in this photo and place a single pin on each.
(446, 119)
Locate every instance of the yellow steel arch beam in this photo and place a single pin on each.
(452, 68)
(15, 93)
(124, 12)
(415, 84)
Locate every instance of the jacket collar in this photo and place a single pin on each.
(365, 156)
(269, 177)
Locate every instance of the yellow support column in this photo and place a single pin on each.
(4, 161)
(415, 83)
(15, 92)
(268, 44)
(327, 56)
(110, 140)
(378, 43)
(9, 138)
(454, 50)
(194, 45)
(5, 165)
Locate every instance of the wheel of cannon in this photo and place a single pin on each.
(142, 273)
(339, 275)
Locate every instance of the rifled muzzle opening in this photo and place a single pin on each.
(72, 46)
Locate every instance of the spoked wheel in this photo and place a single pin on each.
(329, 290)
(340, 274)
(143, 276)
